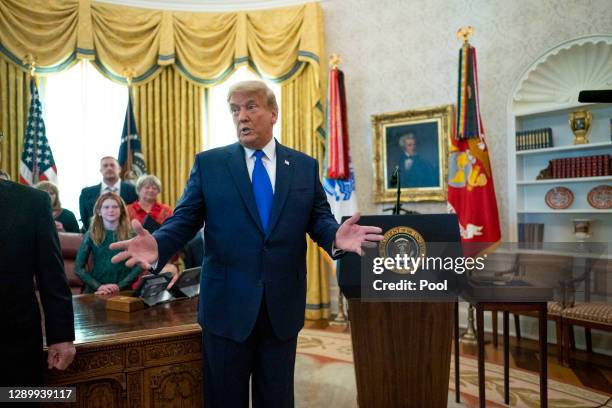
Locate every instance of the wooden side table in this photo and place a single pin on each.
(506, 308)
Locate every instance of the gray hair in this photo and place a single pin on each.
(255, 87)
(148, 179)
(4, 175)
(407, 136)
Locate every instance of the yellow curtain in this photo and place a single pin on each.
(123, 40)
(14, 97)
(171, 56)
(168, 113)
(46, 30)
(302, 123)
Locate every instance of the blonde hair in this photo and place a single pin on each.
(50, 187)
(97, 230)
(148, 179)
(255, 87)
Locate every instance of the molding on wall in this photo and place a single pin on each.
(553, 81)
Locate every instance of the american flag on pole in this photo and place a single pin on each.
(37, 162)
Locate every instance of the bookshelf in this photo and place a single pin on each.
(565, 180)
(573, 148)
(543, 98)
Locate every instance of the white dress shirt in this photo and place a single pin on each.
(269, 162)
(115, 188)
(268, 159)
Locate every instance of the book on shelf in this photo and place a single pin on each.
(534, 139)
(530, 235)
(576, 167)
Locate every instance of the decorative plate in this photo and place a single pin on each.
(559, 198)
(600, 197)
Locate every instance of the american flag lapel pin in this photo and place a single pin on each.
(286, 162)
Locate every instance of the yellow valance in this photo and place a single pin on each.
(126, 41)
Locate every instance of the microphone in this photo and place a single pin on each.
(394, 176)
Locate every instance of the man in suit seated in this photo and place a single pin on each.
(259, 200)
(111, 183)
(193, 252)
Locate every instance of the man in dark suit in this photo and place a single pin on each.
(29, 247)
(259, 200)
(111, 183)
(414, 170)
(193, 252)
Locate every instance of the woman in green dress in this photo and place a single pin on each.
(110, 223)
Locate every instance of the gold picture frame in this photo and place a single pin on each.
(417, 141)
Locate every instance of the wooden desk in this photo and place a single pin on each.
(148, 358)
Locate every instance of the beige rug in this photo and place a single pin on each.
(324, 377)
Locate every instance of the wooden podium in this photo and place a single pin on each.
(401, 352)
(401, 349)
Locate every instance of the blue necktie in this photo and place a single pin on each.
(262, 189)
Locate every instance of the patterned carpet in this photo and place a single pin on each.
(324, 377)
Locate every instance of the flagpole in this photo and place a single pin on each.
(31, 61)
(1, 140)
(341, 318)
(469, 337)
(128, 77)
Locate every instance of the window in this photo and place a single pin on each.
(221, 130)
(84, 114)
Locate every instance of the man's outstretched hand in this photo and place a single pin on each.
(140, 250)
(350, 236)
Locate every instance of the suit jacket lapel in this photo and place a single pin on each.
(284, 173)
(7, 208)
(94, 194)
(240, 174)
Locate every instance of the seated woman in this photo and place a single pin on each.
(65, 221)
(110, 223)
(148, 188)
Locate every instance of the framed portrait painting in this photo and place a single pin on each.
(412, 146)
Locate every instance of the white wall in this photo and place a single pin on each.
(401, 55)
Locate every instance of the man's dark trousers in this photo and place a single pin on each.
(228, 366)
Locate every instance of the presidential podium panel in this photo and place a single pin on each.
(402, 344)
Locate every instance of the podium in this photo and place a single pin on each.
(401, 349)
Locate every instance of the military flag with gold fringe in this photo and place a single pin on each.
(471, 193)
(339, 177)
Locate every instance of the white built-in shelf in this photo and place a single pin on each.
(564, 180)
(570, 211)
(567, 107)
(544, 96)
(587, 146)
